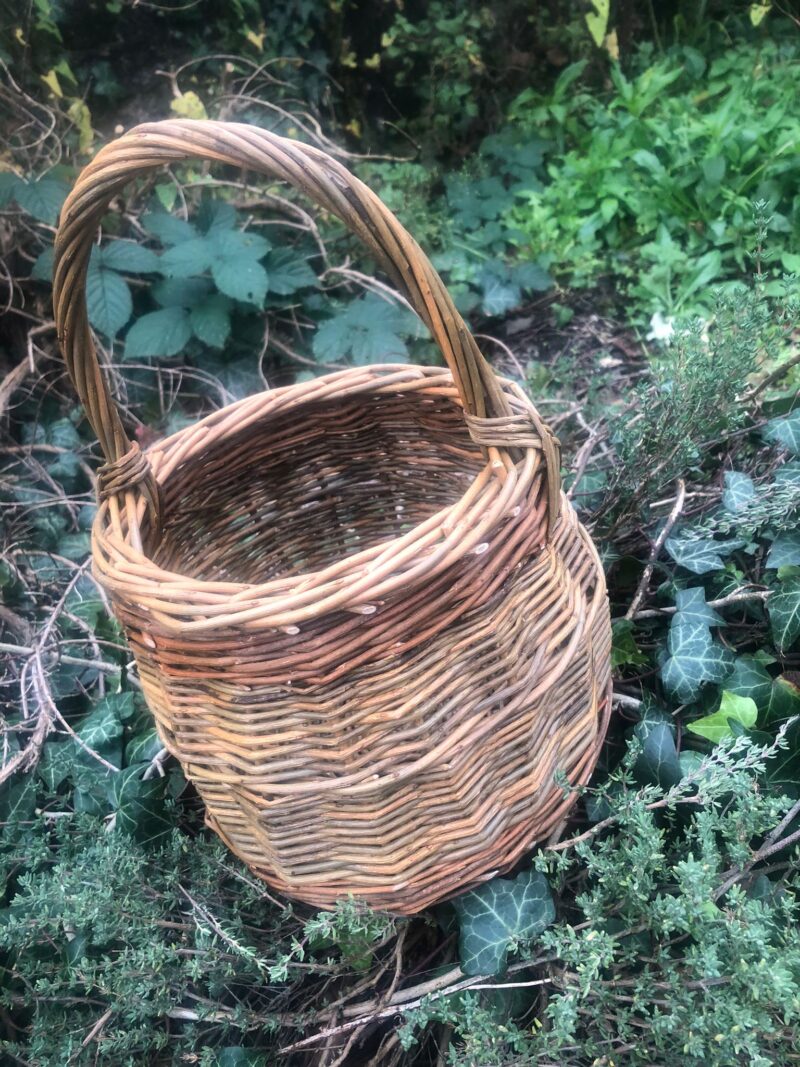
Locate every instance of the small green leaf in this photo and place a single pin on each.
(238, 245)
(42, 198)
(739, 491)
(143, 747)
(495, 916)
(783, 608)
(167, 228)
(657, 763)
(242, 279)
(368, 330)
(211, 321)
(288, 272)
(733, 708)
(181, 292)
(129, 257)
(700, 556)
(108, 300)
(161, 333)
(784, 551)
(42, 270)
(694, 658)
(624, 650)
(140, 805)
(784, 700)
(692, 607)
(749, 678)
(187, 259)
(785, 432)
(9, 186)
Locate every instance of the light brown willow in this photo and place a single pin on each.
(366, 620)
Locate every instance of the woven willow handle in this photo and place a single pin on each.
(308, 169)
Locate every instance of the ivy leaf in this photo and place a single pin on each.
(692, 607)
(624, 650)
(140, 805)
(739, 491)
(785, 432)
(288, 272)
(498, 914)
(108, 299)
(143, 747)
(167, 228)
(733, 708)
(161, 333)
(657, 763)
(749, 678)
(211, 321)
(784, 551)
(784, 701)
(789, 472)
(129, 257)
(694, 658)
(783, 608)
(42, 199)
(700, 556)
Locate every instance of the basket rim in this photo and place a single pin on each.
(181, 602)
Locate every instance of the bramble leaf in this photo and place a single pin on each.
(496, 915)
(108, 299)
(129, 257)
(211, 321)
(161, 333)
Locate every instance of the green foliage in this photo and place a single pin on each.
(496, 916)
(654, 183)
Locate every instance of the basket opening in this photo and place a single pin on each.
(299, 491)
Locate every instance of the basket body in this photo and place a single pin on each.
(359, 717)
(366, 620)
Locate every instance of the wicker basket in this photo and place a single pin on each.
(367, 622)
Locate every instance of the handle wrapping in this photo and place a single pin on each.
(327, 183)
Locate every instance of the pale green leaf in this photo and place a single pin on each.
(784, 551)
(783, 607)
(692, 607)
(749, 678)
(211, 321)
(242, 279)
(288, 272)
(108, 299)
(42, 198)
(169, 229)
(739, 491)
(129, 257)
(694, 658)
(497, 915)
(700, 556)
(160, 333)
(785, 432)
(733, 708)
(187, 259)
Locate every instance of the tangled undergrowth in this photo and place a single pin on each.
(660, 925)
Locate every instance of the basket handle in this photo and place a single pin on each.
(329, 185)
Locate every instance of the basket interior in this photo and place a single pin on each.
(298, 491)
